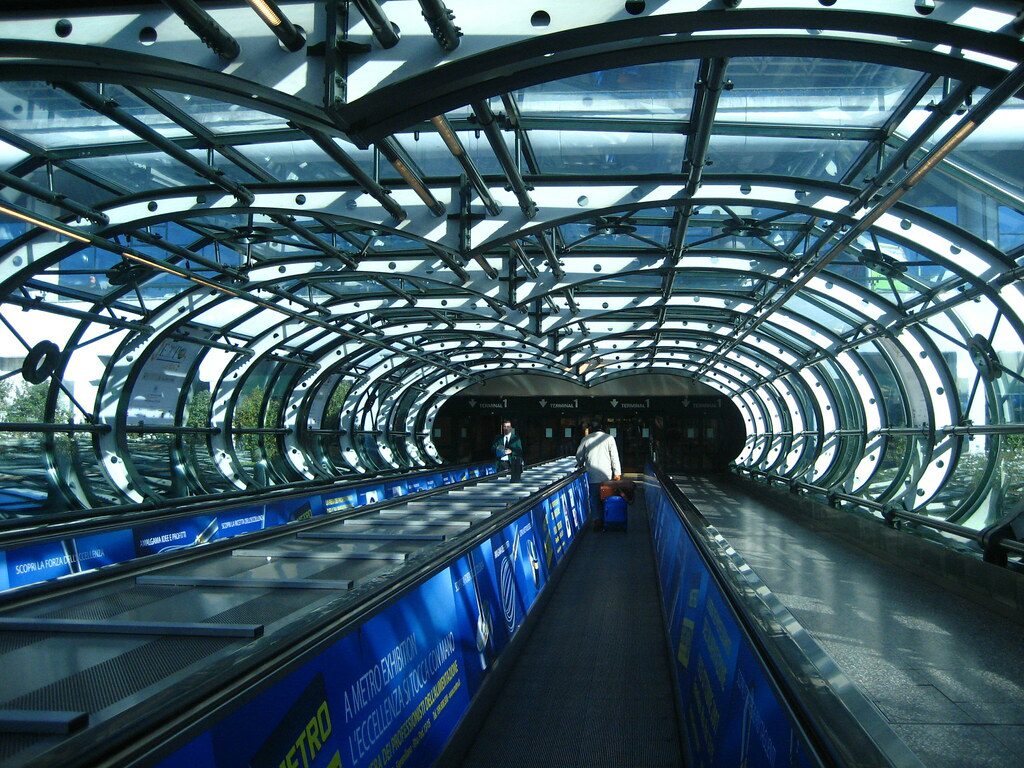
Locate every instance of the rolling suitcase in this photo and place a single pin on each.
(615, 512)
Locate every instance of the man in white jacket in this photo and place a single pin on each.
(600, 456)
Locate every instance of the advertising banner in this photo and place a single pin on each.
(171, 535)
(339, 502)
(475, 609)
(370, 494)
(284, 511)
(387, 695)
(55, 558)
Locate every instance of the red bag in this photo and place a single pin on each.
(623, 488)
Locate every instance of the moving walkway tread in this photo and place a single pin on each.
(592, 685)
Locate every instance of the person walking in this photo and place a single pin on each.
(508, 450)
(599, 455)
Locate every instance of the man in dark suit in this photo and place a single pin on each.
(508, 450)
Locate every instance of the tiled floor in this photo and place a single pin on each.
(947, 674)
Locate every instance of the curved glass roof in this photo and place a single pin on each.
(232, 265)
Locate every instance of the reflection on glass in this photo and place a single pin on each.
(823, 159)
(608, 152)
(24, 484)
(663, 88)
(152, 455)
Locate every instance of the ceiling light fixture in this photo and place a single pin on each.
(291, 37)
(177, 273)
(267, 12)
(43, 223)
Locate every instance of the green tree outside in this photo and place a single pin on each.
(26, 403)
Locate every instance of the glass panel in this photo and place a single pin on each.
(50, 118)
(10, 156)
(284, 381)
(223, 118)
(608, 152)
(1009, 477)
(976, 452)
(64, 183)
(812, 91)
(198, 458)
(955, 200)
(153, 459)
(823, 159)
(614, 231)
(816, 311)
(24, 487)
(884, 482)
(141, 111)
(664, 88)
(637, 282)
(894, 407)
(141, 172)
(1011, 228)
(304, 161)
(77, 454)
(251, 412)
(994, 149)
(154, 397)
(433, 157)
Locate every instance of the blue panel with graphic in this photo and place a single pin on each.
(731, 712)
(63, 557)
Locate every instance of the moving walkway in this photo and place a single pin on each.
(393, 635)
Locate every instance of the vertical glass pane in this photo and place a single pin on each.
(153, 460)
(24, 486)
(76, 453)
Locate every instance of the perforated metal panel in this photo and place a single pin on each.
(105, 684)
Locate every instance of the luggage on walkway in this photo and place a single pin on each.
(616, 512)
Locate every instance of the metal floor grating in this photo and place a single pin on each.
(268, 608)
(115, 603)
(116, 679)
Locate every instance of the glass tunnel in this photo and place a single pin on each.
(252, 244)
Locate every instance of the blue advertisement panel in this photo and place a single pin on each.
(395, 489)
(339, 502)
(577, 509)
(389, 694)
(475, 611)
(171, 535)
(63, 557)
(730, 711)
(5, 581)
(517, 566)
(558, 536)
(290, 510)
